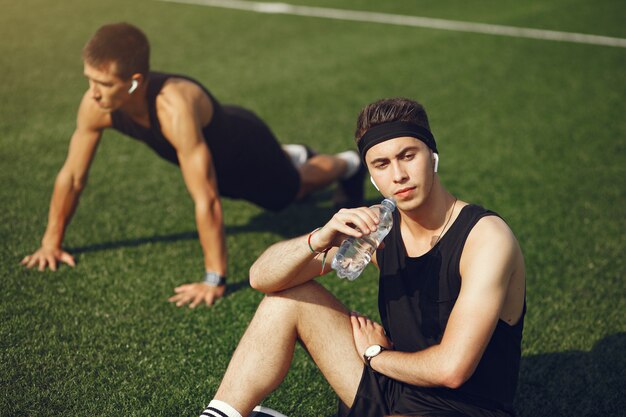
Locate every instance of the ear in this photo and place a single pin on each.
(374, 184)
(134, 82)
(133, 86)
(435, 161)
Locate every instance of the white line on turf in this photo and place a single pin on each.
(414, 21)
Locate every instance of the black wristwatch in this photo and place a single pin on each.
(371, 352)
(214, 279)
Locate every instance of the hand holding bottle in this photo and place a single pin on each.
(344, 224)
(356, 251)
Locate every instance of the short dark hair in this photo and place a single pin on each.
(120, 43)
(397, 109)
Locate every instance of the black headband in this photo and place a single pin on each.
(391, 130)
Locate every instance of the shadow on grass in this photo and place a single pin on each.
(236, 286)
(297, 219)
(130, 243)
(575, 383)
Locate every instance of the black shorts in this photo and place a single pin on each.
(379, 396)
(260, 172)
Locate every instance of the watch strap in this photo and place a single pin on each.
(368, 359)
(214, 279)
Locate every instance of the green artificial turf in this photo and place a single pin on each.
(532, 129)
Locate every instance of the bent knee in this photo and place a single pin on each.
(287, 303)
(309, 292)
(302, 292)
(310, 297)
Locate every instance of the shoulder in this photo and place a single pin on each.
(181, 97)
(180, 92)
(491, 242)
(490, 231)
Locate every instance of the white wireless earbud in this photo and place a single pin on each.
(133, 86)
(374, 184)
(436, 158)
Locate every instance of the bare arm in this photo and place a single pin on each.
(287, 264)
(69, 183)
(290, 263)
(181, 111)
(199, 175)
(490, 261)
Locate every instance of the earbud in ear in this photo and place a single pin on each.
(133, 86)
(436, 159)
(374, 184)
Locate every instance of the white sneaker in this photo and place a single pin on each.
(297, 153)
(353, 160)
(260, 411)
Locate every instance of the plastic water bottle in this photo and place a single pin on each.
(354, 254)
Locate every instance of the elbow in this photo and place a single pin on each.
(68, 179)
(78, 184)
(455, 377)
(208, 204)
(256, 280)
(258, 285)
(262, 280)
(453, 381)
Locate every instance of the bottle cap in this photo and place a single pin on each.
(391, 202)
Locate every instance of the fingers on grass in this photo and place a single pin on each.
(32, 262)
(209, 299)
(68, 259)
(196, 300)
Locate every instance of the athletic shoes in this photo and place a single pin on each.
(260, 411)
(298, 154)
(351, 191)
(218, 408)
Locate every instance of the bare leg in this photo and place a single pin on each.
(319, 172)
(309, 313)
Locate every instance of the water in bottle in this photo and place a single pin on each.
(354, 254)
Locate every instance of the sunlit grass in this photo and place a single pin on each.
(531, 129)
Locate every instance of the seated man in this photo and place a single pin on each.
(221, 150)
(451, 296)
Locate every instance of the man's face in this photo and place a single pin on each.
(403, 169)
(108, 90)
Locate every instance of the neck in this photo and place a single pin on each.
(430, 216)
(137, 104)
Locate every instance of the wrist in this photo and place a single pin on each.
(314, 246)
(50, 242)
(371, 352)
(214, 279)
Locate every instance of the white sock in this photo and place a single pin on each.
(217, 408)
(297, 153)
(353, 160)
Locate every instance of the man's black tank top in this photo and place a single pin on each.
(247, 157)
(416, 297)
(153, 136)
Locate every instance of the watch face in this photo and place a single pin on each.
(373, 350)
(212, 278)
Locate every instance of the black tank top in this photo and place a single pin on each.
(416, 297)
(232, 135)
(153, 136)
